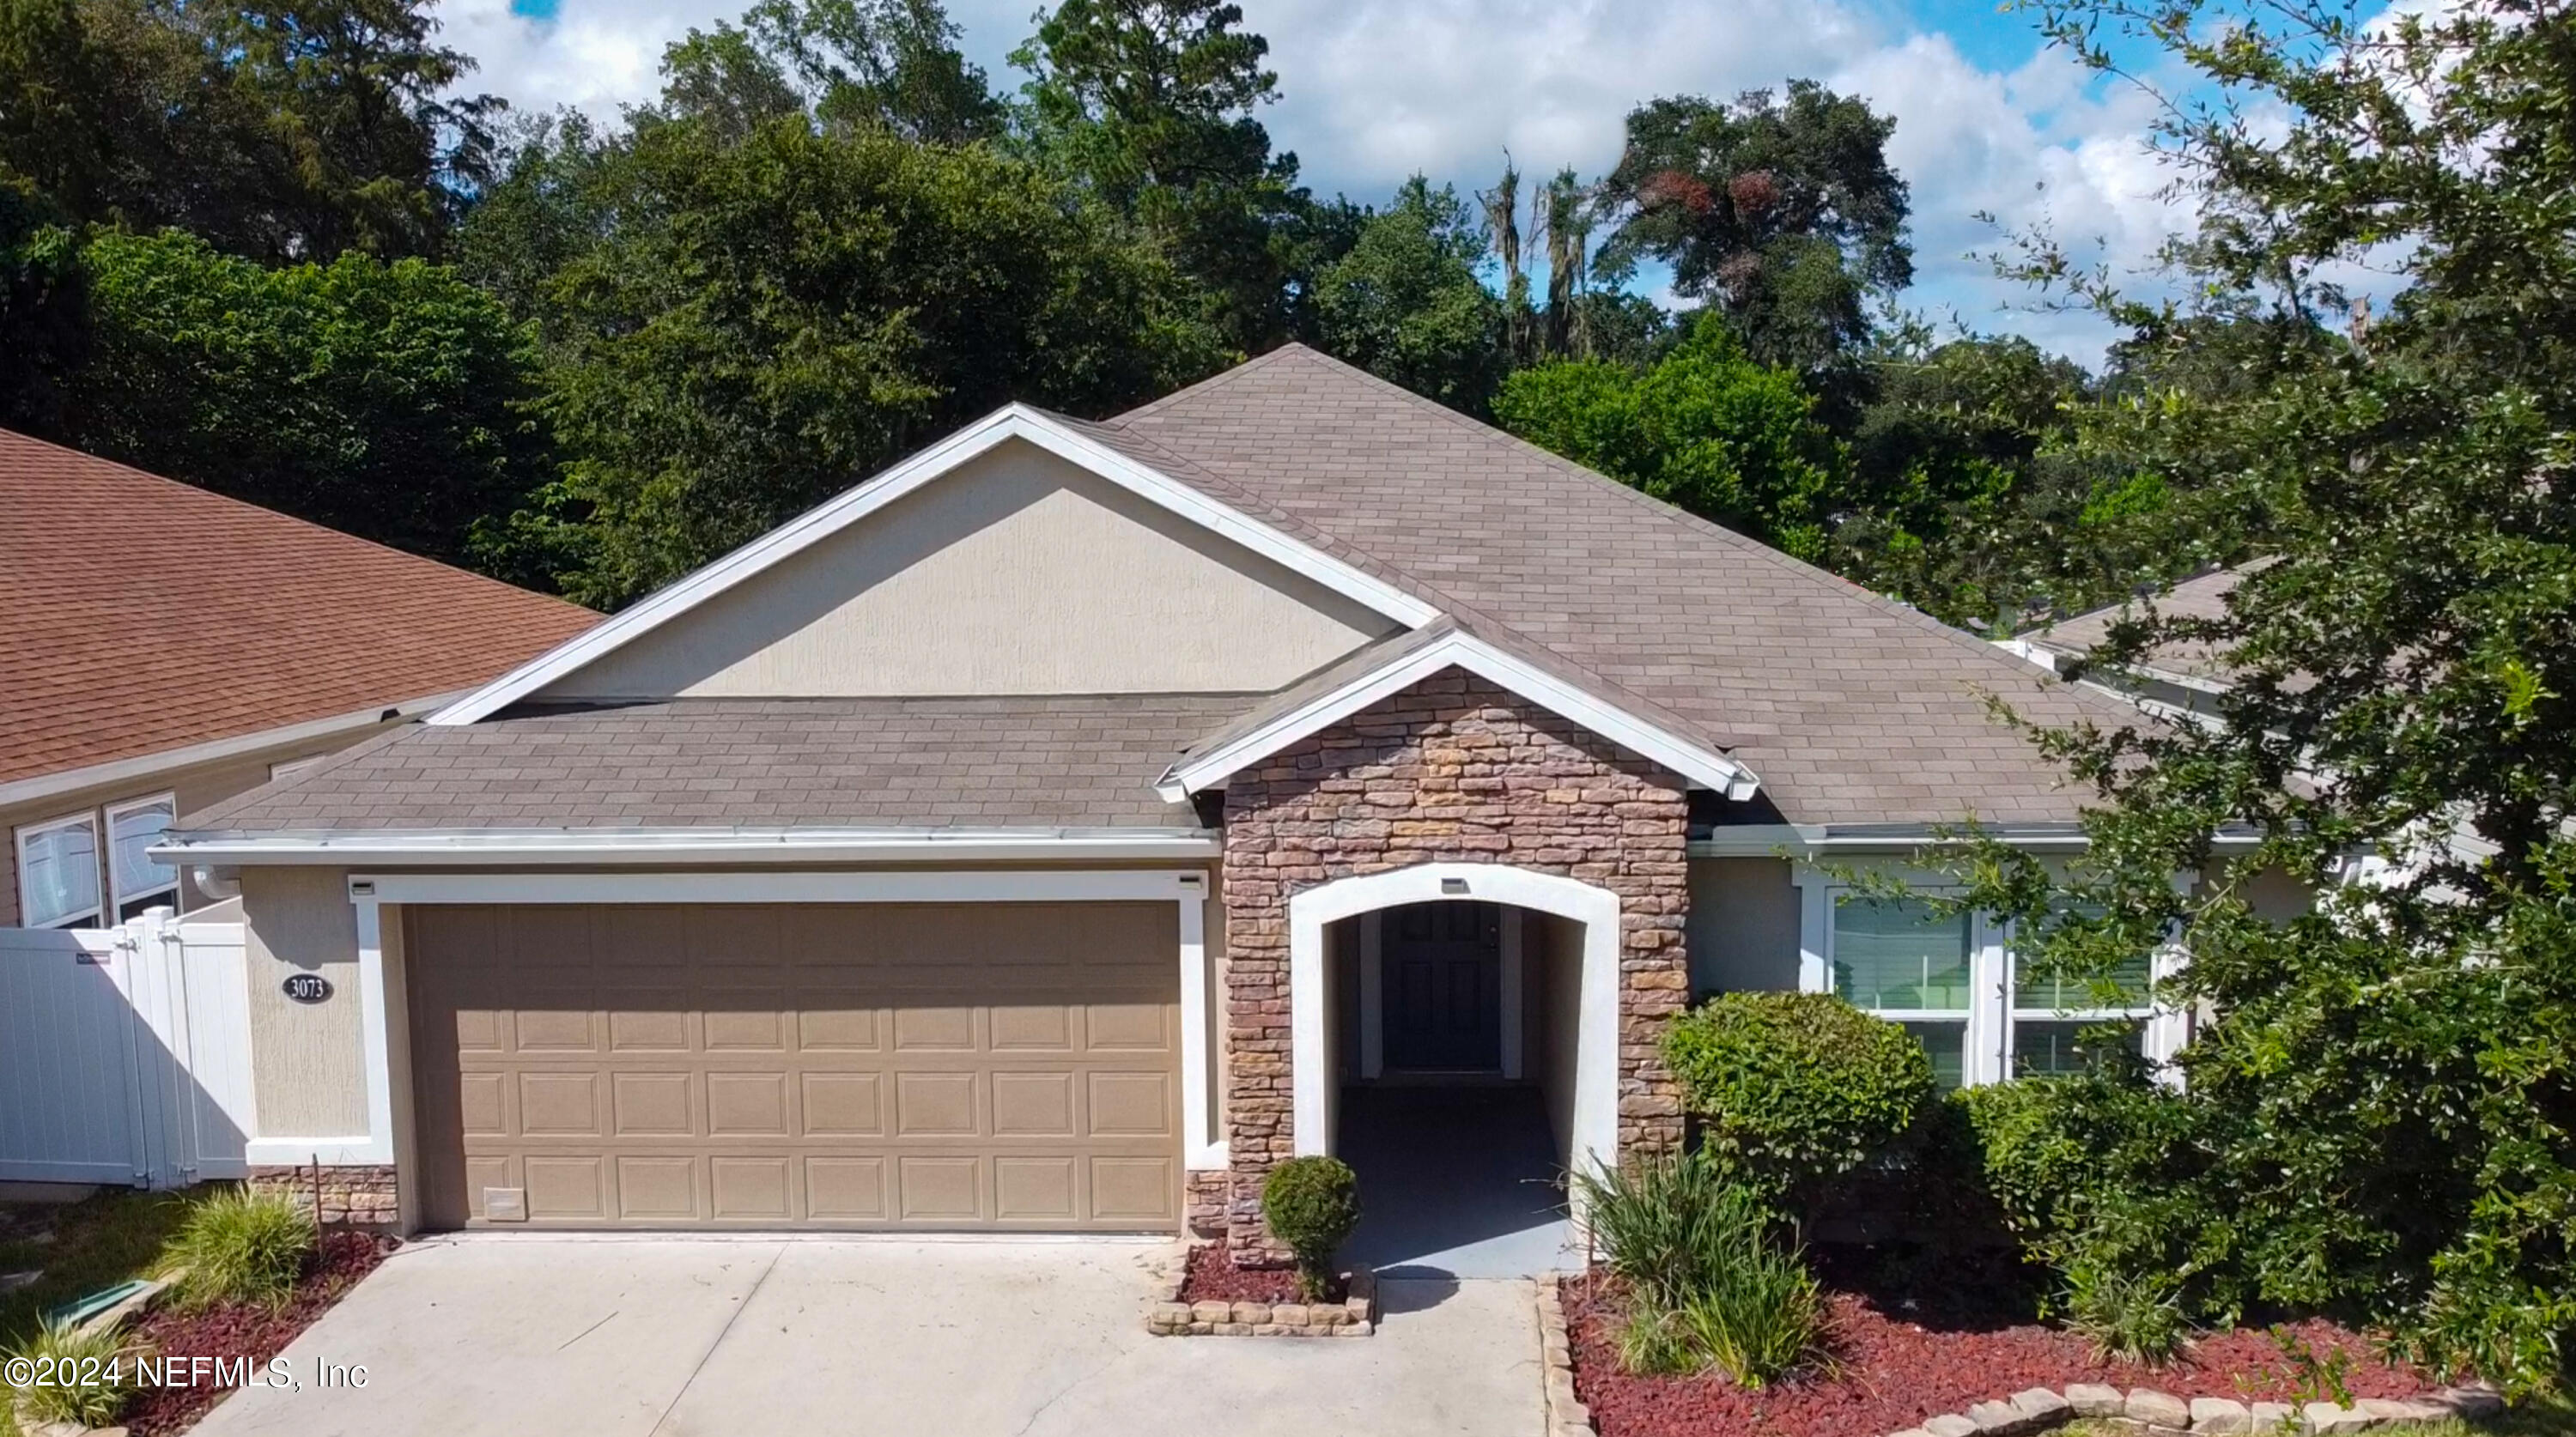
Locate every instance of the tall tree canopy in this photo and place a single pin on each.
(1780, 211)
(281, 131)
(2382, 1114)
(1705, 428)
(1406, 304)
(1149, 103)
(887, 63)
(746, 327)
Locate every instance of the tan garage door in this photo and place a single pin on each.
(1006, 1065)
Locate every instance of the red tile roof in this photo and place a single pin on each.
(138, 614)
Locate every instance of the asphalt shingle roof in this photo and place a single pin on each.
(141, 615)
(716, 763)
(1850, 708)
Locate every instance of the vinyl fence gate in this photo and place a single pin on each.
(124, 1053)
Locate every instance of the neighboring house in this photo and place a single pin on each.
(2174, 680)
(163, 649)
(1047, 833)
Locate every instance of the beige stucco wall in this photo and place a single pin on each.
(196, 786)
(308, 1060)
(1743, 929)
(1018, 574)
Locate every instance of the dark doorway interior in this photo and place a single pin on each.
(1442, 966)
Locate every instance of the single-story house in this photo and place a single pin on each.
(167, 648)
(1049, 833)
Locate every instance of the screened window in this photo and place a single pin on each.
(135, 880)
(2063, 1024)
(58, 873)
(1904, 960)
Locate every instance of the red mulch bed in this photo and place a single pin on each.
(1889, 1375)
(236, 1330)
(1213, 1277)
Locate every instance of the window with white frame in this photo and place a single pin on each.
(1952, 978)
(1907, 961)
(58, 873)
(135, 881)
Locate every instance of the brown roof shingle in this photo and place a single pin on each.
(1851, 708)
(142, 615)
(1046, 761)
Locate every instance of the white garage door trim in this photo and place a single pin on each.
(1201, 1151)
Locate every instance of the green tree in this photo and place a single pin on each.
(754, 325)
(1149, 104)
(382, 400)
(43, 310)
(2382, 1117)
(282, 131)
(887, 63)
(1782, 212)
(1405, 303)
(1706, 428)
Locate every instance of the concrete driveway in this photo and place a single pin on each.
(505, 1336)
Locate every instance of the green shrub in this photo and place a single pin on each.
(2025, 1149)
(57, 1348)
(1705, 1281)
(1795, 1088)
(1312, 1203)
(2128, 1316)
(241, 1245)
(1758, 1319)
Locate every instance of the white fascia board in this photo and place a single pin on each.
(1027, 885)
(27, 790)
(1811, 840)
(724, 846)
(1701, 764)
(1010, 422)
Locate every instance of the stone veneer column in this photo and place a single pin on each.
(1453, 769)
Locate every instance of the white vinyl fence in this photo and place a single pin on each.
(124, 1053)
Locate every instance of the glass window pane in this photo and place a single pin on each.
(2055, 1049)
(1899, 953)
(2056, 993)
(58, 875)
(1947, 1043)
(130, 832)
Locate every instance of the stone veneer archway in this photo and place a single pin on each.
(1452, 770)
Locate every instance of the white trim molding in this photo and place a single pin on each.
(1704, 766)
(152, 765)
(1596, 1060)
(1016, 421)
(694, 845)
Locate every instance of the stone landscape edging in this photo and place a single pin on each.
(1168, 1315)
(2145, 1409)
(2039, 1409)
(1566, 1414)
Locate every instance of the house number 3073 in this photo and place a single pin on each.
(306, 987)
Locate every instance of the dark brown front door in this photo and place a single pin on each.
(1442, 964)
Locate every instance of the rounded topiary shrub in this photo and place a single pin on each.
(1795, 1088)
(1312, 1203)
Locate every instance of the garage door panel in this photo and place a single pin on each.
(1033, 1105)
(657, 1189)
(940, 1189)
(650, 1105)
(896, 1066)
(567, 1188)
(844, 1105)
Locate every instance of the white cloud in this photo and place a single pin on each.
(1377, 91)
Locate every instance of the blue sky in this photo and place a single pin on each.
(1988, 119)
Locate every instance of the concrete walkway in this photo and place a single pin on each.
(502, 1337)
(1456, 1182)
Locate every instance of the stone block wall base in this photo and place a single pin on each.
(365, 1196)
(1168, 1316)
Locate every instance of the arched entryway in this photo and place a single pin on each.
(1455, 1032)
